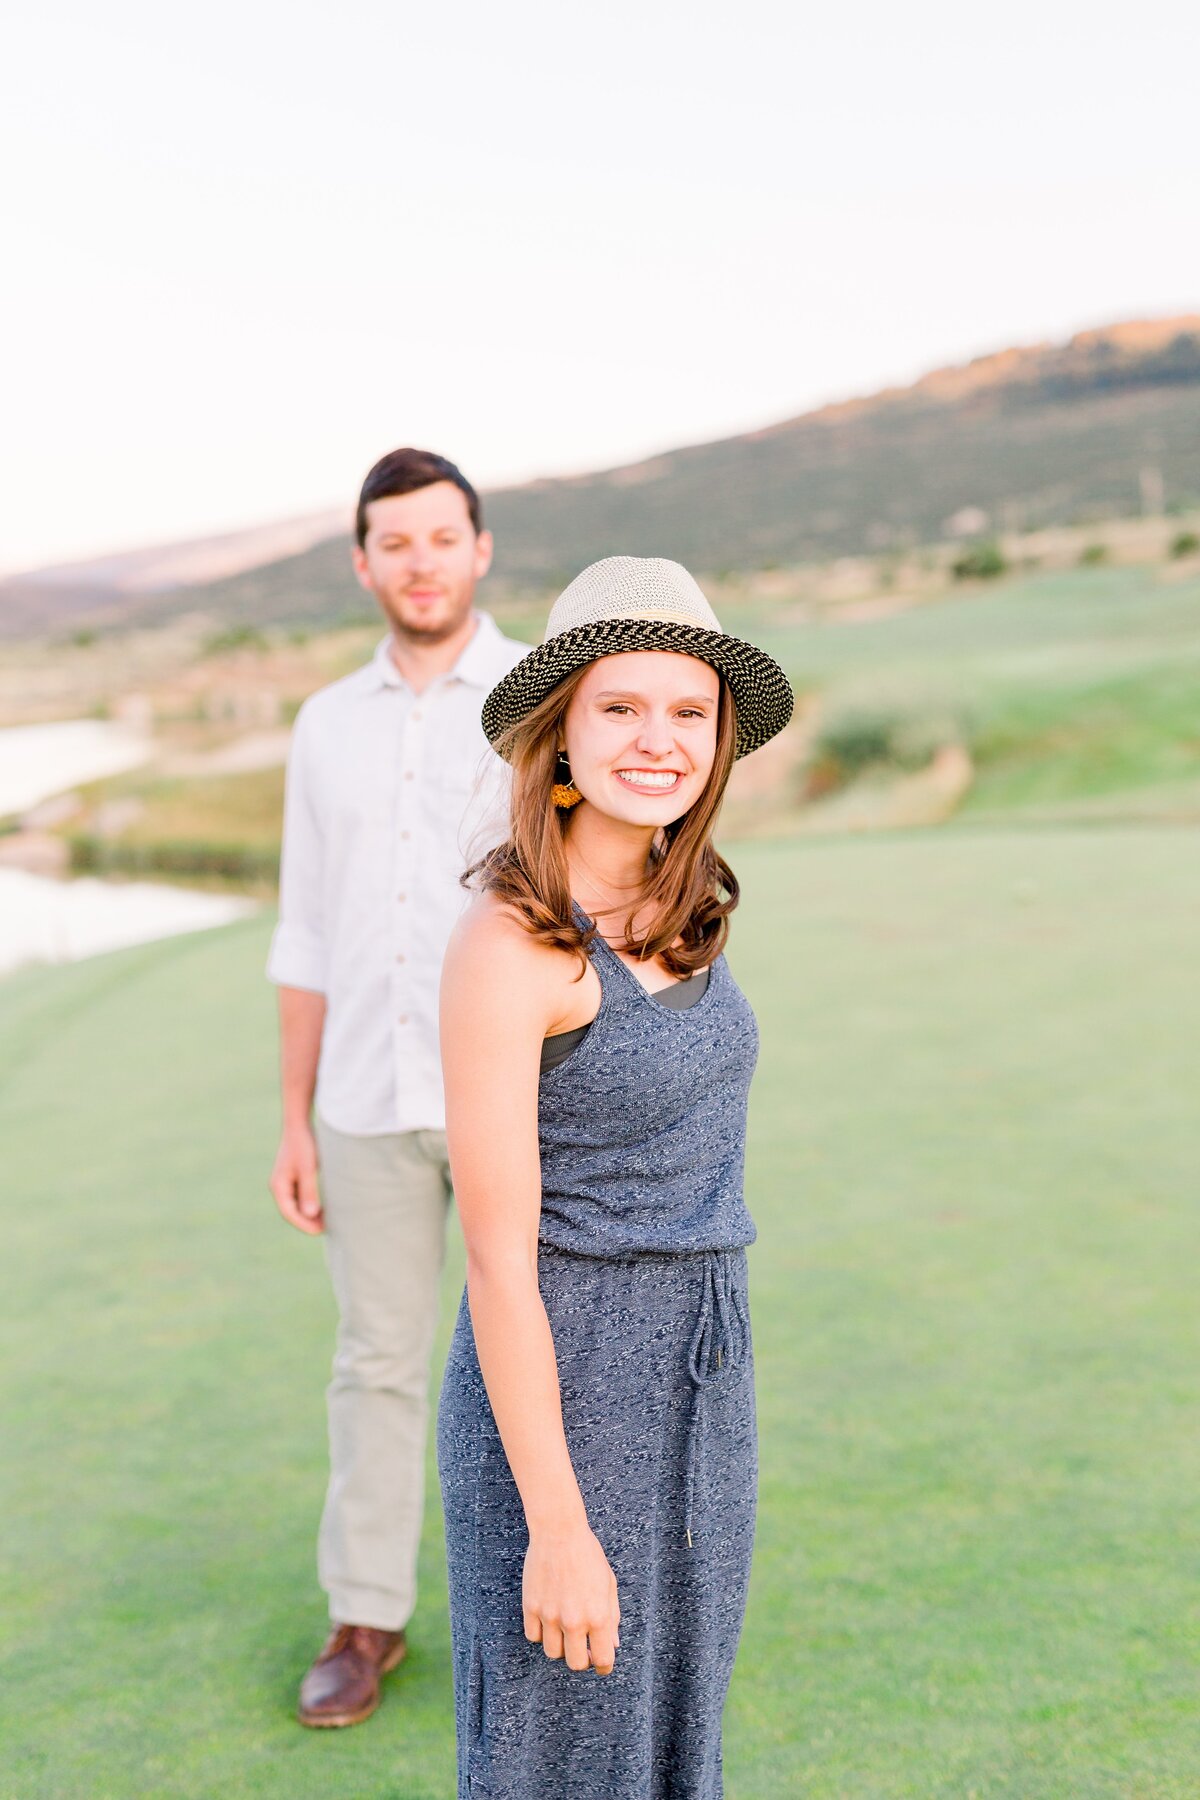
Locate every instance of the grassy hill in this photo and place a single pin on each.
(1026, 439)
(1103, 426)
(973, 1165)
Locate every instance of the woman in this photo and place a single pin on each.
(596, 1434)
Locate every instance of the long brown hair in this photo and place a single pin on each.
(689, 891)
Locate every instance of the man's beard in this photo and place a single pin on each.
(435, 631)
(426, 634)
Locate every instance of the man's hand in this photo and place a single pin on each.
(294, 1180)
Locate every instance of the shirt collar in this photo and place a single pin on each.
(475, 665)
(382, 667)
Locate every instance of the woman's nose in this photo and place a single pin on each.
(656, 737)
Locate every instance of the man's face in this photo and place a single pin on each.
(421, 561)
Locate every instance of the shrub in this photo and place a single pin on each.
(235, 637)
(94, 855)
(980, 562)
(1092, 554)
(1185, 543)
(898, 729)
(855, 738)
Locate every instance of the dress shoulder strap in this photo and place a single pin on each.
(606, 962)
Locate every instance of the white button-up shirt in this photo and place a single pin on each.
(390, 794)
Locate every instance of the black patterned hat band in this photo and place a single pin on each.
(628, 603)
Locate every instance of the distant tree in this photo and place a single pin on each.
(981, 562)
(1185, 543)
(1091, 554)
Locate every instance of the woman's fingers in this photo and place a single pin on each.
(579, 1648)
(569, 1603)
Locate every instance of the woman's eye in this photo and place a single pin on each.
(617, 707)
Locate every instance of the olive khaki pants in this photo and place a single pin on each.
(385, 1201)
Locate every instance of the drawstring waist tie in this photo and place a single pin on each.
(718, 1349)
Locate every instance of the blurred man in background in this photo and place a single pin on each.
(390, 780)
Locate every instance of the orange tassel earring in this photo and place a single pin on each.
(564, 793)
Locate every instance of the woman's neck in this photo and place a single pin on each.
(608, 860)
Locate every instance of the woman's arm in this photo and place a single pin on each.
(499, 992)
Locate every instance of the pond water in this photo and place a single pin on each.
(37, 761)
(44, 920)
(59, 921)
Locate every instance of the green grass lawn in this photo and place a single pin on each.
(1102, 736)
(1079, 686)
(974, 1165)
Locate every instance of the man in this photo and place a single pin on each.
(391, 785)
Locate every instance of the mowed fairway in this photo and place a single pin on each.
(974, 1165)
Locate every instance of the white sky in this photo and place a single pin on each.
(250, 247)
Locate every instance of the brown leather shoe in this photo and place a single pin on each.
(342, 1687)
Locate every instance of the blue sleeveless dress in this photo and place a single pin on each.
(642, 1270)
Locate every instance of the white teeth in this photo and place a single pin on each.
(649, 778)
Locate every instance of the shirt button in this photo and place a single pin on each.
(402, 1018)
(408, 774)
(399, 956)
(406, 834)
(402, 896)
(418, 717)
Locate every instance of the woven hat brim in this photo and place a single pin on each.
(761, 691)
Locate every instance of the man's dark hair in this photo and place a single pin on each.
(403, 472)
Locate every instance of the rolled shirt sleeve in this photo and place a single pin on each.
(298, 955)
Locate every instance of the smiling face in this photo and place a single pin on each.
(421, 560)
(641, 734)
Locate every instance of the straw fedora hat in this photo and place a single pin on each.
(641, 603)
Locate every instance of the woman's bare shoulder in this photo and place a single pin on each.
(492, 944)
(491, 927)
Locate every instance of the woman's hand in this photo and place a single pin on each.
(569, 1599)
